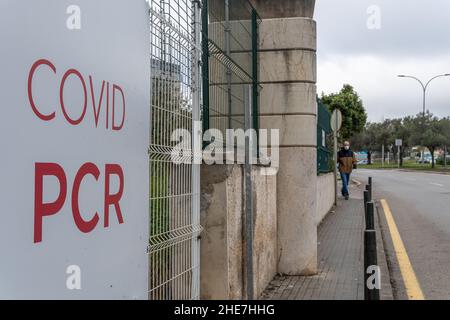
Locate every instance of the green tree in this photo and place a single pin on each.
(428, 131)
(351, 106)
(445, 128)
(375, 135)
(367, 140)
(384, 134)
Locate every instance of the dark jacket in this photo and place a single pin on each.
(347, 160)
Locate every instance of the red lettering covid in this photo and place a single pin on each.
(93, 102)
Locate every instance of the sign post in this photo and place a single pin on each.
(445, 157)
(398, 143)
(336, 124)
(74, 187)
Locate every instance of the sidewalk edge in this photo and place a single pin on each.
(386, 292)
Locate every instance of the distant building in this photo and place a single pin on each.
(165, 69)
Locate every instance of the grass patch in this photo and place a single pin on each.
(407, 164)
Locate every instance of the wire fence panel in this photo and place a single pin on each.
(230, 63)
(174, 188)
(324, 149)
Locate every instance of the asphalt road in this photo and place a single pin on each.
(420, 205)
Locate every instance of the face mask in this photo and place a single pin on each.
(347, 147)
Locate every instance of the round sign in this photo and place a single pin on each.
(336, 120)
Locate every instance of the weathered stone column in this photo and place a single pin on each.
(288, 103)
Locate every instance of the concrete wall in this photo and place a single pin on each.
(325, 195)
(289, 207)
(221, 203)
(265, 228)
(222, 246)
(284, 8)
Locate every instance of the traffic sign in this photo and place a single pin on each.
(336, 120)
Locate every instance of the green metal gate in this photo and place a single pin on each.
(324, 156)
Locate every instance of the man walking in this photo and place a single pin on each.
(347, 162)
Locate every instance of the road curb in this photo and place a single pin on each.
(387, 291)
(356, 182)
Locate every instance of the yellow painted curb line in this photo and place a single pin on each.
(412, 285)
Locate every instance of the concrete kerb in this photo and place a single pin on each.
(356, 182)
(386, 292)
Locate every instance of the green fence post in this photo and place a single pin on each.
(205, 66)
(255, 75)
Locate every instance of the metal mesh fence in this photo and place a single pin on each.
(174, 194)
(230, 63)
(324, 150)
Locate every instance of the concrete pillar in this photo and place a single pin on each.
(288, 103)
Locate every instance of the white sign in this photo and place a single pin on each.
(74, 133)
(336, 120)
(398, 142)
(324, 140)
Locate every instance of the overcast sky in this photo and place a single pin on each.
(413, 39)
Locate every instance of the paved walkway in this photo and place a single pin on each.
(340, 257)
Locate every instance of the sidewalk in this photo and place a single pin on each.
(340, 258)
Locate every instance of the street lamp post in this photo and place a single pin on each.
(424, 87)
